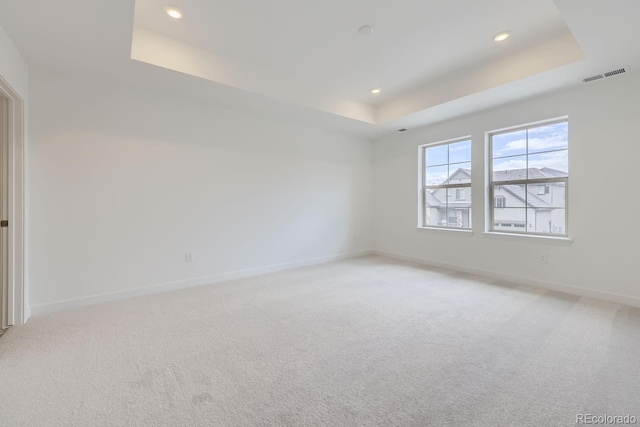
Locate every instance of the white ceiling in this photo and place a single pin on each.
(318, 44)
(306, 62)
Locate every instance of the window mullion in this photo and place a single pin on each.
(437, 187)
(526, 186)
(531, 181)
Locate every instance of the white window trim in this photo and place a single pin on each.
(460, 231)
(422, 180)
(528, 237)
(489, 200)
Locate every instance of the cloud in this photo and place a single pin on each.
(555, 160)
(510, 164)
(548, 143)
(460, 147)
(519, 144)
(545, 138)
(436, 178)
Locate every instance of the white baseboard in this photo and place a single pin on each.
(37, 310)
(568, 289)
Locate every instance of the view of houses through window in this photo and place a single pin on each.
(447, 189)
(529, 172)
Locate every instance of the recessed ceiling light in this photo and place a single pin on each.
(173, 12)
(500, 37)
(376, 91)
(365, 30)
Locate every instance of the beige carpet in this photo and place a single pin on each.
(363, 342)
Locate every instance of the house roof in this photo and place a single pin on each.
(459, 171)
(433, 200)
(534, 173)
(513, 174)
(532, 200)
(518, 191)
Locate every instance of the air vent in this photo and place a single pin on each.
(605, 75)
(593, 78)
(615, 72)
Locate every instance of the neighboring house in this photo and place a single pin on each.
(536, 208)
(457, 213)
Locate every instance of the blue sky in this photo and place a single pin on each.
(457, 154)
(547, 147)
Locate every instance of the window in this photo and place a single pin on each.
(529, 179)
(543, 189)
(446, 184)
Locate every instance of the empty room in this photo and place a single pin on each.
(330, 213)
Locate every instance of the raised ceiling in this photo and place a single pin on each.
(306, 61)
(311, 53)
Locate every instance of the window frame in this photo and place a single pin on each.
(545, 190)
(539, 181)
(423, 187)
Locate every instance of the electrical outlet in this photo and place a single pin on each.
(188, 257)
(544, 259)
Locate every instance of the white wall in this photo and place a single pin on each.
(14, 70)
(604, 202)
(124, 182)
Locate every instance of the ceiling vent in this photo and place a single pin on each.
(605, 75)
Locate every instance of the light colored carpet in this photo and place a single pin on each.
(363, 342)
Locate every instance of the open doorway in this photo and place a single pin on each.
(4, 191)
(13, 310)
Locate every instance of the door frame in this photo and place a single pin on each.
(14, 138)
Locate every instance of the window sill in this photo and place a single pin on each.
(460, 232)
(529, 238)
